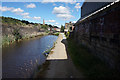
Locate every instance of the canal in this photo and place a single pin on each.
(20, 59)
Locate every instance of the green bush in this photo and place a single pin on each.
(67, 34)
(62, 28)
(17, 34)
(45, 27)
(7, 39)
(56, 34)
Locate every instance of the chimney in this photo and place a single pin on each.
(43, 22)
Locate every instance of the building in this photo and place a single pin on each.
(58, 29)
(99, 29)
(90, 7)
(54, 29)
(43, 22)
(69, 26)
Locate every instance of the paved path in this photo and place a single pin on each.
(60, 63)
(59, 52)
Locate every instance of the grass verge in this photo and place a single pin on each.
(91, 66)
(56, 34)
(48, 51)
(7, 40)
(41, 70)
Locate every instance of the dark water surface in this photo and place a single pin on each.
(20, 60)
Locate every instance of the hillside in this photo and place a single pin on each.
(14, 29)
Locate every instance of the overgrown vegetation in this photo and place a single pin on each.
(45, 27)
(46, 53)
(91, 65)
(7, 39)
(41, 70)
(67, 34)
(13, 28)
(17, 34)
(13, 21)
(62, 28)
(56, 34)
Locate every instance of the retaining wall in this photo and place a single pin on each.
(101, 33)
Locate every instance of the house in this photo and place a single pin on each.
(69, 26)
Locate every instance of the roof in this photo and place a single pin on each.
(99, 10)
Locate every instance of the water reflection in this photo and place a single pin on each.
(19, 60)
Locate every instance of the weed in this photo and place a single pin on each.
(91, 65)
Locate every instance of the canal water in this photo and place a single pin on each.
(20, 60)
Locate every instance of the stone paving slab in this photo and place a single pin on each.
(59, 52)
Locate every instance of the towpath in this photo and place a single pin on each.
(60, 63)
(59, 52)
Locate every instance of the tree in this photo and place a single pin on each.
(55, 27)
(44, 27)
(62, 28)
(50, 25)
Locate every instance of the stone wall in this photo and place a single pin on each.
(22, 32)
(101, 33)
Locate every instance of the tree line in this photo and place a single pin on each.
(13, 21)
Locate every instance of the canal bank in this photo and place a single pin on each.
(21, 59)
(6, 41)
(80, 63)
(59, 63)
(17, 30)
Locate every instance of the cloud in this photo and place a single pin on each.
(27, 17)
(62, 12)
(67, 1)
(56, 23)
(54, 4)
(36, 18)
(65, 16)
(17, 10)
(6, 8)
(31, 5)
(24, 14)
(50, 21)
(21, 12)
(74, 21)
(72, 10)
(77, 6)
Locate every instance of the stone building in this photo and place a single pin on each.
(43, 22)
(99, 29)
(69, 26)
(90, 7)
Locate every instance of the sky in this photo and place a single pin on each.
(54, 13)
